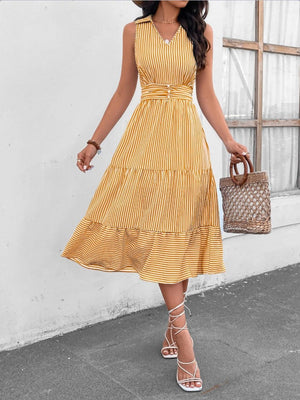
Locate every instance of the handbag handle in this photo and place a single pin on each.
(246, 161)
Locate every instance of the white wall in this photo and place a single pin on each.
(60, 65)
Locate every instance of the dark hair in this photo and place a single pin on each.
(191, 17)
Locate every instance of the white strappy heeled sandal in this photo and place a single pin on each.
(172, 345)
(193, 377)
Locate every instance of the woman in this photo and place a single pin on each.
(155, 211)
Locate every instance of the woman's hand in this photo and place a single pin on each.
(85, 156)
(234, 147)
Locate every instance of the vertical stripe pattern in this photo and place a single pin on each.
(155, 210)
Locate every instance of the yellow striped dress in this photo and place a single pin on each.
(155, 210)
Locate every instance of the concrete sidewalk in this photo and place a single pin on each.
(247, 344)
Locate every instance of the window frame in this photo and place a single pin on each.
(258, 45)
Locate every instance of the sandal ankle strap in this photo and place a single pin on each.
(175, 308)
(179, 329)
(174, 318)
(184, 294)
(181, 304)
(190, 312)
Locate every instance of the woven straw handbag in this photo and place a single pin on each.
(246, 199)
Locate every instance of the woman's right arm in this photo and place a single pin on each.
(120, 99)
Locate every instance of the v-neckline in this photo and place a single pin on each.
(164, 40)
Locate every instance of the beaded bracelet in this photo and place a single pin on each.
(95, 144)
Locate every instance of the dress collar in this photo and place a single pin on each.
(145, 19)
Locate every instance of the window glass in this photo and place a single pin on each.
(239, 19)
(238, 83)
(281, 22)
(280, 157)
(280, 86)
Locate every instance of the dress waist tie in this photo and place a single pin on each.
(166, 91)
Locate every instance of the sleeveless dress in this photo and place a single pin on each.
(155, 211)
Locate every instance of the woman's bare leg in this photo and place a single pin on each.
(173, 296)
(185, 285)
(168, 332)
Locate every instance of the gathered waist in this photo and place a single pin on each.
(166, 91)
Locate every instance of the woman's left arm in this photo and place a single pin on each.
(209, 103)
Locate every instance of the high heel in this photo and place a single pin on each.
(172, 345)
(193, 377)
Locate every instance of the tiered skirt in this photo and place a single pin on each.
(155, 210)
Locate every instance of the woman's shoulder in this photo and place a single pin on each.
(129, 28)
(208, 30)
